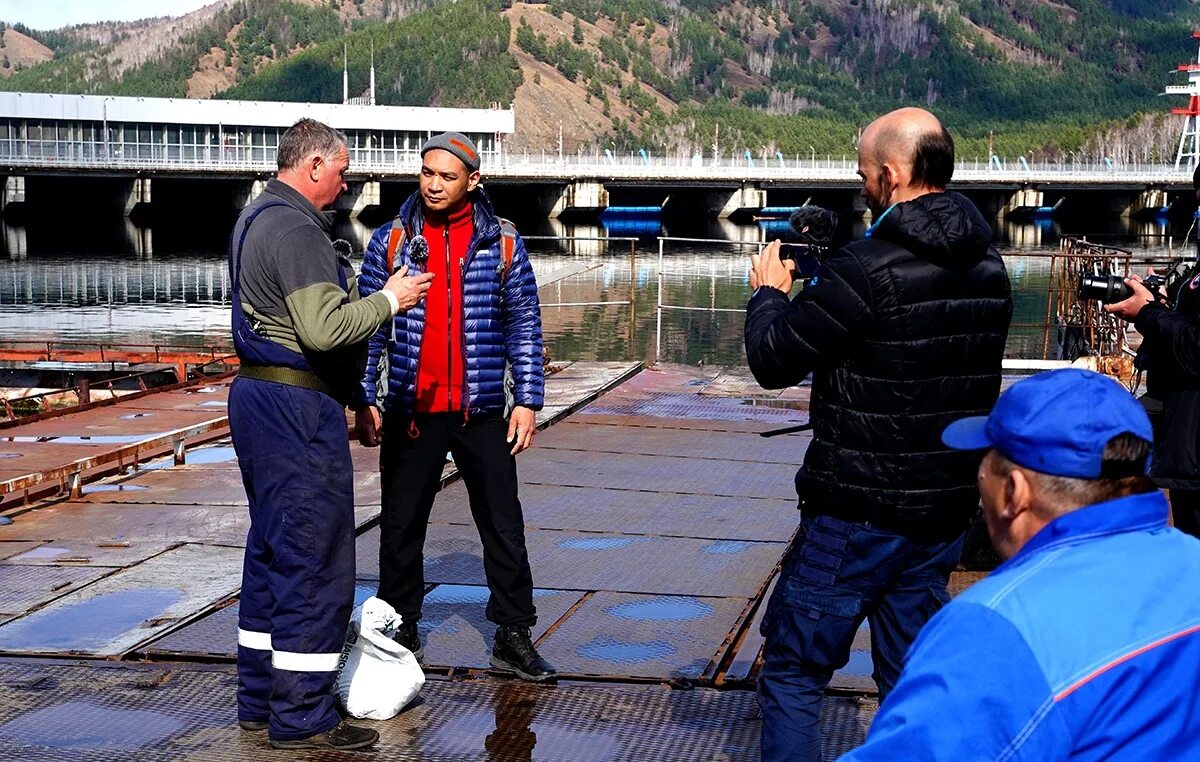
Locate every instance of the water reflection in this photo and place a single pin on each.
(152, 286)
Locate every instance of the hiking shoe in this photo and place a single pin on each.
(408, 636)
(514, 652)
(252, 726)
(344, 737)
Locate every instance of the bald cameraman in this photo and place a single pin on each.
(902, 332)
(1170, 355)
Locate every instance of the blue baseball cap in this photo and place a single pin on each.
(1055, 423)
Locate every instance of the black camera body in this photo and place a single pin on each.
(813, 228)
(1110, 289)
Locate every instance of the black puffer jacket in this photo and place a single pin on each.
(1170, 352)
(903, 332)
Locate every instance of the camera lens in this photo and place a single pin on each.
(1107, 289)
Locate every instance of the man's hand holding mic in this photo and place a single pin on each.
(407, 290)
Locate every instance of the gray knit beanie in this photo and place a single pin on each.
(456, 143)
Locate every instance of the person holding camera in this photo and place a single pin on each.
(1170, 355)
(1078, 646)
(903, 332)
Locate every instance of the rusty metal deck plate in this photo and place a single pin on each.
(453, 555)
(566, 560)
(650, 636)
(113, 615)
(630, 511)
(113, 424)
(664, 474)
(125, 713)
(24, 587)
(9, 549)
(656, 442)
(456, 633)
(113, 523)
(745, 658)
(194, 483)
(215, 634)
(110, 553)
(692, 406)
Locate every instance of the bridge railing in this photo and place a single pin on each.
(374, 161)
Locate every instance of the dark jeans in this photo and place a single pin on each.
(837, 574)
(1185, 510)
(412, 472)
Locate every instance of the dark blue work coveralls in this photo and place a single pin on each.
(298, 577)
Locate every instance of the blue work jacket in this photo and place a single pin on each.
(1084, 645)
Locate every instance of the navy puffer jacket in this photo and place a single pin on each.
(500, 328)
(903, 332)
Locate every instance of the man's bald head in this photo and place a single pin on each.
(902, 155)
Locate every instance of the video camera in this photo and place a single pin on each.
(1110, 289)
(813, 228)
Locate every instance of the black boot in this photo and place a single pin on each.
(343, 737)
(514, 652)
(408, 636)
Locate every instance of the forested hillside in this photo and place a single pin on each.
(1042, 77)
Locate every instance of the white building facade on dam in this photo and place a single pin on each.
(104, 131)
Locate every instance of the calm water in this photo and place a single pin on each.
(173, 288)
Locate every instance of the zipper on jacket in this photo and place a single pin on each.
(466, 392)
(449, 319)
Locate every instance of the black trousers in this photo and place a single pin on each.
(412, 471)
(1185, 510)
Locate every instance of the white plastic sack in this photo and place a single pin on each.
(377, 676)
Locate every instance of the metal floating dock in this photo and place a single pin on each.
(656, 519)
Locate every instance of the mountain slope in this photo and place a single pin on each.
(795, 76)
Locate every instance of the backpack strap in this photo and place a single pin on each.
(508, 244)
(396, 238)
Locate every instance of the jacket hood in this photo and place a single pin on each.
(943, 228)
(487, 225)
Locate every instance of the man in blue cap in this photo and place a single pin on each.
(1078, 645)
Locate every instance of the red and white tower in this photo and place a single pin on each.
(1189, 141)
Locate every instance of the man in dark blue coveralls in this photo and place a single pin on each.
(299, 328)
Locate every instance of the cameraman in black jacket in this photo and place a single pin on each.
(1170, 354)
(903, 332)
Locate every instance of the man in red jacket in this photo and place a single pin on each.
(444, 391)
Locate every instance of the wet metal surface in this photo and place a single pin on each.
(53, 712)
(456, 633)
(25, 587)
(113, 615)
(661, 474)
(566, 560)
(655, 441)
(691, 406)
(618, 634)
(100, 521)
(647, 563)
(215, 634)
(745, 660)
(654, 513)
(652, 527)
(111, 553)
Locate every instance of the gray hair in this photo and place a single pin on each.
(305, 138)
(1122, 473)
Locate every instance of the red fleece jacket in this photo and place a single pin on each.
(441, 371)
